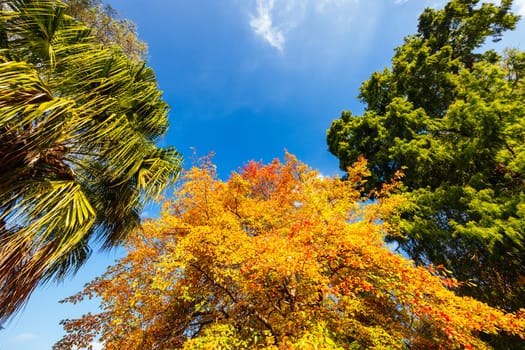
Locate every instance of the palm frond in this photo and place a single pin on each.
(78, 126)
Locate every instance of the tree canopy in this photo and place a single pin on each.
(108, 27)
(452, 118)
(78, 126)
(275, 257)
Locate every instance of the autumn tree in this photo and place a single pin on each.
(108, 27)
(452, 117)
(276, 257)
(78, 159)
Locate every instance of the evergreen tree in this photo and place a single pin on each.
(453, 119)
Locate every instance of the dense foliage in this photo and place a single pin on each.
(453, 118)
(276, 257)
(78, 160)
(107, 26)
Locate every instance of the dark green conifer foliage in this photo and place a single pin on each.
(453, 118)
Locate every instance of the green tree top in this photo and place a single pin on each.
(108, 27)
(452, 118)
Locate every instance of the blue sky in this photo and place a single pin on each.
(247, 79)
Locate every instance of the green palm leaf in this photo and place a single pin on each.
(78, 125)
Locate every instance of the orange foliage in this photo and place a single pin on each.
(276, 257)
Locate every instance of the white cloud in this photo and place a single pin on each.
(97, 346)
(263, 26)
(520, 7)
(436, 3)
(323, 5)
(22, 338)
(274, 20)
(399, 2)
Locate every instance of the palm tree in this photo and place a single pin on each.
(78, 159)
